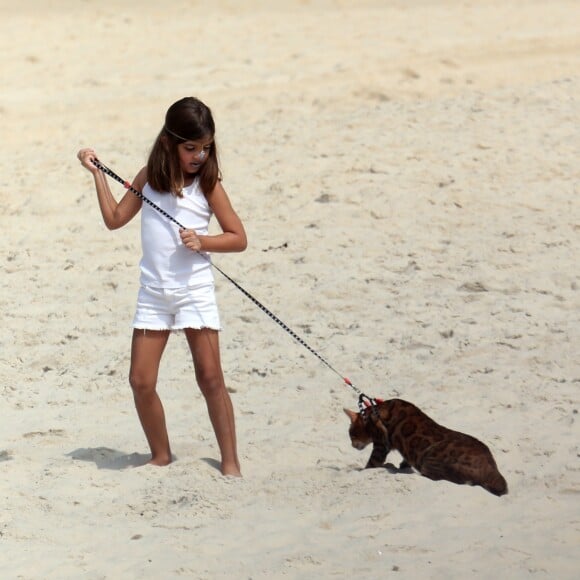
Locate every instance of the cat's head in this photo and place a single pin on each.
(358, 431)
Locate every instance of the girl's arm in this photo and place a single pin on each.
(233, 236)
(115, 214)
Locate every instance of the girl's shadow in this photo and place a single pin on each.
(105, 458)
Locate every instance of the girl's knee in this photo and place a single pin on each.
(140, 385)
(211, 385)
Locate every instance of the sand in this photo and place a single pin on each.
(408, 176)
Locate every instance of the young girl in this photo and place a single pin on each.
(182, 176)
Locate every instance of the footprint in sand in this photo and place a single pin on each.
(49, 433)
(5, 455)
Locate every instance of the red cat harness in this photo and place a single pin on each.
(364, 403)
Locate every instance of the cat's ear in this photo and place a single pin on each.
(353, 416)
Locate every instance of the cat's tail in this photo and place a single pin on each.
(496, 484)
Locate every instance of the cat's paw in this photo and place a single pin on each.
(404, 467)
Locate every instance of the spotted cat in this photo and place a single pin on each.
(433, 450)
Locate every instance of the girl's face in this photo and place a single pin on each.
(193, 154)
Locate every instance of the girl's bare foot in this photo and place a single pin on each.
(159, 461)
(231, 470)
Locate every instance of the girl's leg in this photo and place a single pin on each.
(204, 346)
(146, 350)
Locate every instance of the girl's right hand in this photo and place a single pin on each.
(86, 156)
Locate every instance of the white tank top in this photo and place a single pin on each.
(166, 262)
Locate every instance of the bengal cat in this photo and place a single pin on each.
(433, 450)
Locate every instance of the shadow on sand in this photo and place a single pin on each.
(106, 458)
(212, 463)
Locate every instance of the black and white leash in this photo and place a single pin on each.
(363, 400)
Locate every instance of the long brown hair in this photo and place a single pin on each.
(186, 120)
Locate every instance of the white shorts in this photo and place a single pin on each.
(177, 308)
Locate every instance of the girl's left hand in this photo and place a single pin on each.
(190, 240)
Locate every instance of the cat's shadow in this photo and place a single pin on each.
(404, 468)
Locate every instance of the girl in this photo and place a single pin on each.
(182, 176)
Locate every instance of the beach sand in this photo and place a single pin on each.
(408, 176)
